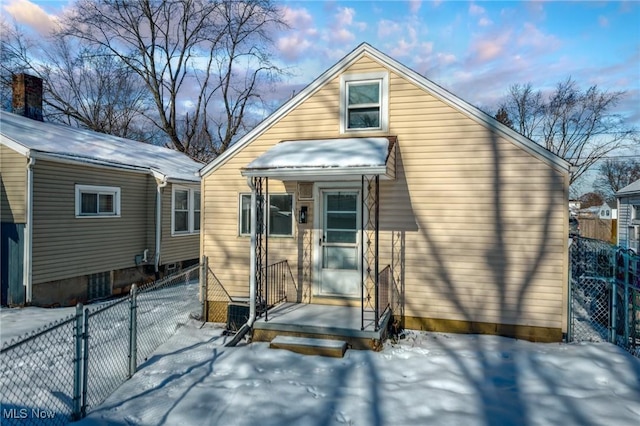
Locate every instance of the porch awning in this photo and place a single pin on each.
(326, 159)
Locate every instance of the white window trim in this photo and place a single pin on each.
(191, 197)
(293, 215)
(97, 189)
(383, 78)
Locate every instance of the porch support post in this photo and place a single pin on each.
(260, 246)
(369, 243)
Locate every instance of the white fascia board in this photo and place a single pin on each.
(287, 107)
(81, 161)
(15, 146)
(318, 173)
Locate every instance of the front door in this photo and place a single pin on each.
(340, 251)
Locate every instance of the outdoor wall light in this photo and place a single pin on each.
(302, 214)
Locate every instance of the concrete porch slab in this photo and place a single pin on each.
(323, 322)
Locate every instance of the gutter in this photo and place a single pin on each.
(27, 277)
(156, 262)
(252, 270)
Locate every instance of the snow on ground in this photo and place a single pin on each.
(17, 322)
(427, 378)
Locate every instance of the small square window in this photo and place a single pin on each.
(97, 201)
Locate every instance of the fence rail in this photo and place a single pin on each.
(604, 294)
(59, 373)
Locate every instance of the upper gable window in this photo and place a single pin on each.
(364, 99)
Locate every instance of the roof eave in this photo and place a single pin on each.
(318, 173)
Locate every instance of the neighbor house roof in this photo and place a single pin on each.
(631, 189)
(420, 81)
(58, 142)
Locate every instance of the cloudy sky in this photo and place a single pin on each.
(474, 49)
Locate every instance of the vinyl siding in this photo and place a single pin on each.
(65, 246)
(471, 218)
(625, 212)
(13, 175)
(176, 248)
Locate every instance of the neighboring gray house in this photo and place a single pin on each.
(629, 216)
(85, 215)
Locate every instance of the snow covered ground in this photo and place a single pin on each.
(17, 322)
(427, 378)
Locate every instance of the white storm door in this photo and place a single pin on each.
(340, 249)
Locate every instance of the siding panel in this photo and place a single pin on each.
(65, 246)
(13, 180)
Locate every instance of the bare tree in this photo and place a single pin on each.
(202, 61)
(14, 58)
(93, 90)
(616, 174)
(576, 125)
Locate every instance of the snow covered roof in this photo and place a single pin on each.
(325, 159)
(64, 143)
(633, 188)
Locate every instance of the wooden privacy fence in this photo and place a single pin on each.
(598, 229)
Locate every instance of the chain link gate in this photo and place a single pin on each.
(604, 303)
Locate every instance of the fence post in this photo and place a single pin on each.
(85, 364)
(627, 268)
(77, 366)
(204, 275)
(570, 299)
(614, 311)
(133, 328)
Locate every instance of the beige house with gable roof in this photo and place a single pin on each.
(392, 197)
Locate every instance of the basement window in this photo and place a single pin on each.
(97, 201)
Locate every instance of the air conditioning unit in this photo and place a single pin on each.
(237, 315)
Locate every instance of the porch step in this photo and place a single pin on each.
(310, 346)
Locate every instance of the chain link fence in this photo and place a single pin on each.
(57, 374)
(604, 294)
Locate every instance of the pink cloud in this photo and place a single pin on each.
(293, 47)
(491, 46)
(414, 6)
(474, 9)
(29, 14)
(297, 18)
(603, 21)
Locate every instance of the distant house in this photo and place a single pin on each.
(383, 191)
(574, 207)
(629, 216)
(85, 214)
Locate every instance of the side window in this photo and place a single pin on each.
(185, 210)
(280, 215)
(97, 201)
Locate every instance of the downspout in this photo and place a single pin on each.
(158, 225)
(252, 270)
(28, 235)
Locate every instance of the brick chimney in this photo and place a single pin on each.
(27, 96)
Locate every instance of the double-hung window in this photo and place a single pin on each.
(364, 102)
(97, 201)
(280, 215)
(185, 208)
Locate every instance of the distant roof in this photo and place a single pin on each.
(633, 188)
(57, 141)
